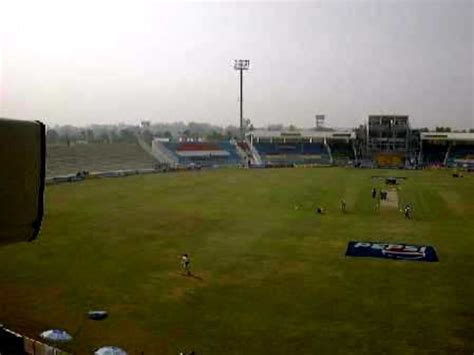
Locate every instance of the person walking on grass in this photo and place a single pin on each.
(374, 193)
(186, 264)
(343, 206)
(407, 211)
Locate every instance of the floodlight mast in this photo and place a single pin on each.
(241, 65)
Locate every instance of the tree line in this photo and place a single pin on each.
(123, 133)
(126, 133)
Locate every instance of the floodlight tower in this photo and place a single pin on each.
(319, 121)
(241, 65)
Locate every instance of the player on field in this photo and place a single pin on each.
(374, 193)
(343, 206)
(186, 264)
(407, 211)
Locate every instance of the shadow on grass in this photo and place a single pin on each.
(193, 276)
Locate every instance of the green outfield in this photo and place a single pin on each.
(269, 278)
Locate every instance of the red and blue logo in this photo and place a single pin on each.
(400, 251)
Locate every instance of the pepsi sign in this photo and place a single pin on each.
(398, 251)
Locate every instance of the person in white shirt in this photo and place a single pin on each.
(186, 264)
(407, 212)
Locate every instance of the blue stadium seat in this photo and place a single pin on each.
(294, 152)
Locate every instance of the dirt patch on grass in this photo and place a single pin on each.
(392, 200)
(184, 284)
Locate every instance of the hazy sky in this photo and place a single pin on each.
(83, 62)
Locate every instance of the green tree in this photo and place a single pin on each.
(186, 133)
(443, 129)
(103, 137)
(275, 127)
(127, 136)
(89, 135)
(215, 136)
(52, 136)
(113, 136)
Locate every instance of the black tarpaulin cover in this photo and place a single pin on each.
(22, 172)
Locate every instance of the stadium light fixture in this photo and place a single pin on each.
(241, 65)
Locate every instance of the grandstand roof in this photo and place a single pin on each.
(306, 133)
(447, 136)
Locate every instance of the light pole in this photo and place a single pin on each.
(241, 65)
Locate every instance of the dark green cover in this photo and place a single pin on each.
(22, 174)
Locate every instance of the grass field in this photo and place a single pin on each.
(269, 279)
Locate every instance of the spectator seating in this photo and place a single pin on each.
(342, 152)
(294, 152)
(204, 153)
(434, 154)
(62, 160)
(463, 152)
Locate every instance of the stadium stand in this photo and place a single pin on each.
(293, 152)
(342, 152)
(387, 140)
(251, 152)
(434, 153)
(447, 149)
(229, 147)
(461, 154)
(204, 154)
(243, 150)
(162, 154)
(62, 160)
(244, 146)
(302, 147)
